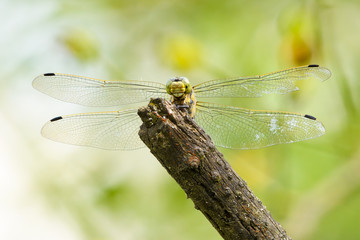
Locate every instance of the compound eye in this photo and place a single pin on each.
(168, 85)
(187, 84)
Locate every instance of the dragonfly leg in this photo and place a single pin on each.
(179, 106)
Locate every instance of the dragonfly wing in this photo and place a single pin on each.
(257, 86)
(240, 128)
(95, 92)
(115, 130)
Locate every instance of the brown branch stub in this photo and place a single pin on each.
(190, 157)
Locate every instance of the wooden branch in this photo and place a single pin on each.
(190, 157)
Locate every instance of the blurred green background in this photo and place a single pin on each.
(56, 191)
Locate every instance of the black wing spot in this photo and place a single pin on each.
(313, 65)
(310, 117)
(49, 74)
(55, 119)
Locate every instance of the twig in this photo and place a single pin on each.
(190, 157)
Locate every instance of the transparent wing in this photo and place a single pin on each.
(94, 92)
(239, 128)
(116, 130)
(256, 86)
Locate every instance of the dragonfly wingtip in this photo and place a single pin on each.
(324, 72)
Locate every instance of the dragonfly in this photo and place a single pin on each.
(228, 126)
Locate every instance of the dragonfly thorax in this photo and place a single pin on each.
(178, 87)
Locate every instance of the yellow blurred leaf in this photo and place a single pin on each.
(181, 51)
(81, 44)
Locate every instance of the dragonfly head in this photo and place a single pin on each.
(178, 86)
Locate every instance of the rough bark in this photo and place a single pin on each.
(190, 157)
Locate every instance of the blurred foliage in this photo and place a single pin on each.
(311, 188)
(181, 52)
(81, 44)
